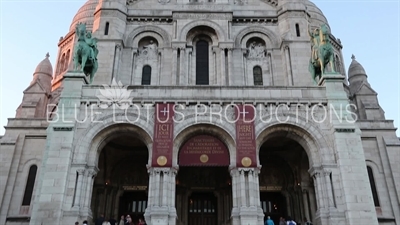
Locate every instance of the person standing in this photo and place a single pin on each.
(269, 221)
(282, 221)
(100, 220)
(122, 220)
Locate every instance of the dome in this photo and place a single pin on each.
(44, 67)
(356, 68)
(85, 15)
(317, 18)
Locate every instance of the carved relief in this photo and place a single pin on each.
(256, 50)
(130, 2)
(163, 1)
(240, 2)
(149, 50)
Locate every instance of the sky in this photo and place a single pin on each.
(368, 29)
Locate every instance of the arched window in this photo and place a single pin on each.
(257, 75)
(202, 62)
(106, 28)
(61, 63)
(337, 64)
(146, 75)
(373, 186)
(30, 183)
(66, 61)
(297, 30)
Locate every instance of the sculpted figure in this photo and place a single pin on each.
(321, 53)
(150, 49)
(85, 52)
(92, 42)
(314, 38)
(260, 50)
(252, 50)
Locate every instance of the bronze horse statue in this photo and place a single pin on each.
(85, 53)
(322, 53)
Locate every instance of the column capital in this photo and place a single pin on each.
(80, 171)
(155, 170)
(92, 171)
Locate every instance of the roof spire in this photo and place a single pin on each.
(47, 55)
(353, 57)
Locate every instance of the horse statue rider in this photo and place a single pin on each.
(86, 51)
(322, 52)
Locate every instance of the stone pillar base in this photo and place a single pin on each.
(330, 76)
(160, 216)
(251, 215)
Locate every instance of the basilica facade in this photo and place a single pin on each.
(200, 113)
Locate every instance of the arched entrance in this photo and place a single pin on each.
(121, 185)
(203, 184)
(286, 188)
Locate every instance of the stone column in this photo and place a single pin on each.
(288, 66)
(222, 66)
(235, 196)
(311, 196)
(134, 57)
(230, 66)
(91, 174)
(305, 204)
(271, 69)
(319, 190)
(77, 199)
(249, 210)
(161, 208)
(117, 57)
(328, 184)
(174, 66)
(182, 66)
(189, 60)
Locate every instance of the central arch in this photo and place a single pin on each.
(203, 184)
(286, 154)
(185, 30)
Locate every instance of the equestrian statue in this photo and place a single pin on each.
(322, 53)
(86, 51)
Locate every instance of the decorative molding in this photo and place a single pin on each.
(345, 130)
(62, 128)
(164, 1)
(7, 143)
(256, 20)
(196, 16)
(273, 3)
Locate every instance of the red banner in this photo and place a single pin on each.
(204, 150)
(163, 135)
(246, 154)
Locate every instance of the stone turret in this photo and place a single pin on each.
(357, 75)
(362, 94)
(36, 96)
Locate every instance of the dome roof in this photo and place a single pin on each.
(317, 18)
(44, 67)
(85, 15)
(355, 68)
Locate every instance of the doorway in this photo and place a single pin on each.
(203, 196)
(273, 204)
(202, 209)
(133, 203)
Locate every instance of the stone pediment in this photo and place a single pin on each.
(365, 89)
(35, 88)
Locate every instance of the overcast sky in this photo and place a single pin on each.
(368, 29)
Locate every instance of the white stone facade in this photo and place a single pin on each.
(311, 158)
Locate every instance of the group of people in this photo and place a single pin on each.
(124, 220)
(288, 221)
